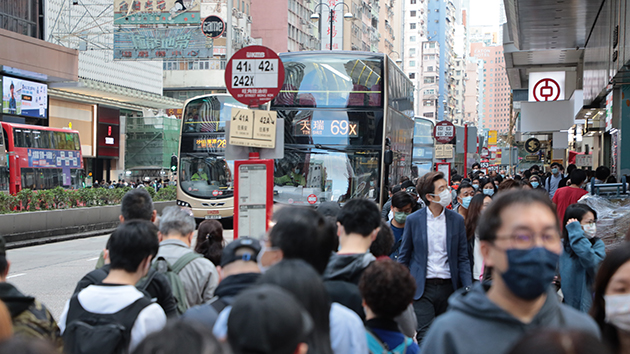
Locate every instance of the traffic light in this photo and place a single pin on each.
(173, 163)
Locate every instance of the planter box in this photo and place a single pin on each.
(47, 226)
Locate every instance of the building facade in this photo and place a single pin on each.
(495, 96)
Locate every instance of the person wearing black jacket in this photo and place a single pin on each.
(239, 270)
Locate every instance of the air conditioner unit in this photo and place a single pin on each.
(239, 15)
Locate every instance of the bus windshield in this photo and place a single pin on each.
(203, 170)
(313, 176)
(343, 80)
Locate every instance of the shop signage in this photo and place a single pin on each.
(156, 12)
(132, 43)
(546, 86)
(213, 26)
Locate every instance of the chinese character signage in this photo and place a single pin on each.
(208, 143)
(53, 158)
(337, 25)
(132, 43)
(152, 12)
(326, 128)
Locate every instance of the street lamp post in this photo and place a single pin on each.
(347, 16)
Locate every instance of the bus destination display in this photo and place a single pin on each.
(209, 143)
(327, 128)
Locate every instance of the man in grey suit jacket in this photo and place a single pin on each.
(435, 249)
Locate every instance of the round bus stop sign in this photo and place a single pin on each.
(213, 26)
(254, 75)
(444, 132)
(485, 152)
(311, 199)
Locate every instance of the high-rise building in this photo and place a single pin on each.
(495, 97)
(420, 57)
(427, 86)
(471, 93)
(286, 26)
(441, 21)
(459, 94)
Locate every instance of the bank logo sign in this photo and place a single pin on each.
(546, 86)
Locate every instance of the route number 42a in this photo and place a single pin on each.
(265, 65)
(243, 81)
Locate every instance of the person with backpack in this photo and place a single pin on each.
(387, 289)
(238, 270)
(30, 318)
(552, 182)
(193, 278)
(114, 317)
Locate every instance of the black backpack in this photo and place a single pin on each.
(88, 333)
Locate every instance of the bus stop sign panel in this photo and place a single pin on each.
(254, 75)
(444, 132)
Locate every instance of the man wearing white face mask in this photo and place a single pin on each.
(434, 247)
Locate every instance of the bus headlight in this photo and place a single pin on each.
(182, 203)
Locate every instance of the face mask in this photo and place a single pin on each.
(445, 198)
(503, 175)
(400, 217)
(476, 186)
(475, 170)
(618, 310)
(590, 230)
(530, 271)
(489, 192)
(554, 171)
(535, 184)
(260, 256)
(297, 170)
(200, 170)
(466, 202)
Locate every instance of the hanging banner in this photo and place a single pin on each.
(337, 25)
(154, 12)
(132, 43)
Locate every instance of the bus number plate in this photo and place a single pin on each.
(213, 216)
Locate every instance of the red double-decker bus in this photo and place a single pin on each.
(40, 157)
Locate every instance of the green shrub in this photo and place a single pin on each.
(166, 193)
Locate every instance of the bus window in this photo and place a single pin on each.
(60, 141)
(44, 142)
(69, 141)
(18, 138)
(77, 143)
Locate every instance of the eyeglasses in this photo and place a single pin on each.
(525, 240)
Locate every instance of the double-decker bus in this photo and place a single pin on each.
(423, 146)
(41, 157)
(348, 127)
(206, 182)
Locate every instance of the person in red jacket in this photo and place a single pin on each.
(566, 196)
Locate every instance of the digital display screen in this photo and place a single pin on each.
(205, 144)
(326, 128)
(24, 98)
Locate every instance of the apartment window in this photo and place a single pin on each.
(412, 52)
(428, 114)
(412, 13)
(429, 92)
(427, 103)
(429, 68)
(412, 38)
(412, 75)
(432, 45)
(413, 2)
(429, 80)
(412, 63)
(412, 26)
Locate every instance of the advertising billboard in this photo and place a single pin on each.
(24, 98)
(156, 12)
(131, 43)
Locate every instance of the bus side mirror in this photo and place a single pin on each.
(389, 157)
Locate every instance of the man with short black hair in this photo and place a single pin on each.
(402, 206)
(566, 196)
(465, 193)
(435, 249)
(198, 276)
(137, 204)
(30, 318)
(132, 247)
(552, 182)
(238, 271)
(357, 225)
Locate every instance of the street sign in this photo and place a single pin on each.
(492, 137)
(213, 26)
(254, 75)
(253, 196)
(444, 151)
(484, 164)
(311, 199)
(532, 158)
(485, 152)
(532, 145)
(444, 132)
(584, 160)
(253, 128)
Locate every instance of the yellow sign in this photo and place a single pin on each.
(492, 137)
(444, 151)
(253, 128)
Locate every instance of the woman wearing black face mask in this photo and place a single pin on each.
(520, 239)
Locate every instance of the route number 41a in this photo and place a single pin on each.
(243, 81)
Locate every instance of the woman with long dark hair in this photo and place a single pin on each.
(583, 252)
(612, 295)
(210, 240)
(477, 205)
(301, 280)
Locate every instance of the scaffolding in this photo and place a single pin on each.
(150, 143)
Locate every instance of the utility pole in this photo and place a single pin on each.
(510, 132)
(228, 36)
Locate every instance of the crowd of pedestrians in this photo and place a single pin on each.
(478, 264)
